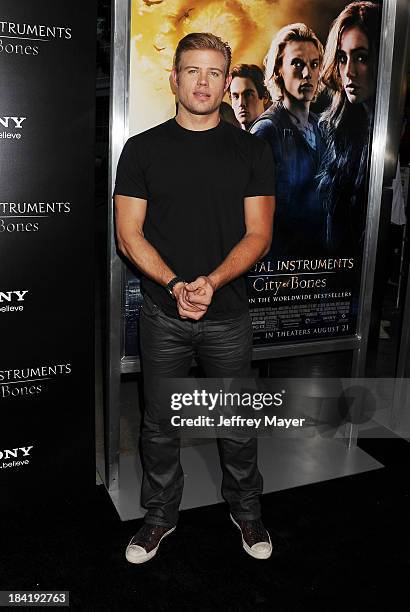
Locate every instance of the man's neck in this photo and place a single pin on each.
(196, 123)
(299, 109)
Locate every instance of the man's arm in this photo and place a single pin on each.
(129, 218)
(259, 211)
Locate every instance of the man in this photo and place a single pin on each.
(292, 68)
(193, 232)
(248, 93)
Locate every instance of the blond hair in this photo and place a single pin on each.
(202, 40)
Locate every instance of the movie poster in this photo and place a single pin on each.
(307, 287)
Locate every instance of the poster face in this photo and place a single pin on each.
(321, 81)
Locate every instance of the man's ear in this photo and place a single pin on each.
(174, 77)
(228, 81)
(171, 82)
(266, 101)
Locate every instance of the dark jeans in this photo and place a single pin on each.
(223, 349)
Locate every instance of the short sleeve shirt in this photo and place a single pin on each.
(195, 183)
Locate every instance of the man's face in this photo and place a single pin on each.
(300, 70)
(354, 66)
(245, 101)
(200, 83)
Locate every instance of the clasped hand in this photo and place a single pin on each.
(194, 298)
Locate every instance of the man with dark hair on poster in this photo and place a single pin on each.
(248, 93)
(193, 233)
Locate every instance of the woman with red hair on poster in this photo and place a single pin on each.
(349, 73)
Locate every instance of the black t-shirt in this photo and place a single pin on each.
(195, 183)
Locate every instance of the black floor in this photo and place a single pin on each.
(340, 545)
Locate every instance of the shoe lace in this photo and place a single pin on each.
(255, 531)
(148, 529)
(146, 533)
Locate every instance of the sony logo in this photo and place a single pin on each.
(9, 121)
(7, 296)
(8, 453)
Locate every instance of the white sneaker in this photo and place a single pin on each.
(145, 543)
(255, 538)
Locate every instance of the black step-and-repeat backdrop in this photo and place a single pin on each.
(47, 64)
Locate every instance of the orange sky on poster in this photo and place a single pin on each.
(248, 26)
